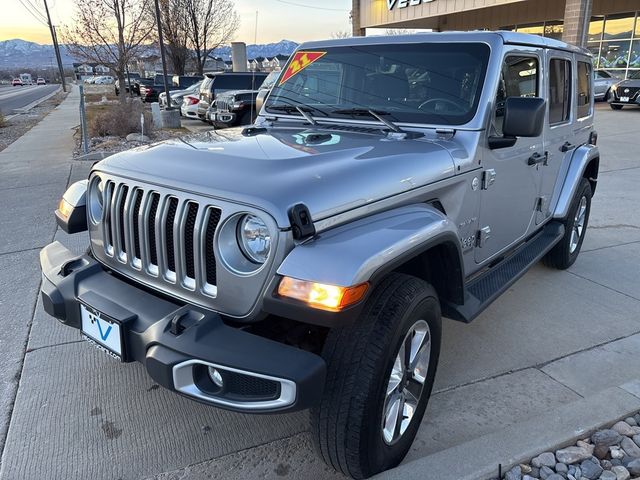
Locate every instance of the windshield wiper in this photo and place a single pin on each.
(377, 114)
(303, 110)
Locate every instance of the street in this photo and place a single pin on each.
(68, 410)
(12, 98)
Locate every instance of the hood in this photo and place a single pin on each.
(331, 171)
(629, 82)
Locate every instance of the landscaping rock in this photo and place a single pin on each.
(608, 476)
(601, 452)
(545, 472)
(636, 438)
(136, 137)
(561, 468)
(623, 428)
(573, 454)
(535, 472)
(631, 421)
(546, 459)
(575, 471)
(636, 417)
(514, 474)
(606, 464)
(621, 473)
(555, 476)
(634, 467)
(591, 469)
(616, 452)
(606, 437)
(630, 447)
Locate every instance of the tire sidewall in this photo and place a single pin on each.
(381, 455)
(583, 191)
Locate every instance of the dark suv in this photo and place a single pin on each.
(233, 108)
(216, 83)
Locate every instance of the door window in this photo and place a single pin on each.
(519, 78)
(584, 89)
(559, 90)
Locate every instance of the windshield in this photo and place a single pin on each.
(432, 83)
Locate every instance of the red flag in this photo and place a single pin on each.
(299, 62)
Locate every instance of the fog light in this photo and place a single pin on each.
(216, 377)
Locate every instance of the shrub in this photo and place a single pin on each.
(118, 119)
(3, 121)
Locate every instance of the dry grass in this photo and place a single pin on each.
(3, 121)
(117, 119)
(95, 93)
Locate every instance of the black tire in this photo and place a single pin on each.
(562, 256)
(347, 424)
(615, 107)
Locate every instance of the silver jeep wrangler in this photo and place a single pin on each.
(306, 262)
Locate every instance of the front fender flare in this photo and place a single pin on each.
(357, 252)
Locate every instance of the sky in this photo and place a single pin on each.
(297, 20)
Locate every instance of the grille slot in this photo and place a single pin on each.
(151, 229)
(190, 226)
(210, 256)
(137, 204)
(171, 216)
(122, 227)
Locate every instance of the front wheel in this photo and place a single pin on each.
(380, 372)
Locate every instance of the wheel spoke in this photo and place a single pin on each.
(392, 417)
(420, 366)
(396, 376)
(399, 418)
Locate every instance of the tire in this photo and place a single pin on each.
(615, 107)
(347, 425)
(565, 253)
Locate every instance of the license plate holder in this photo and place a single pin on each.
(102, 331)
(624, 99)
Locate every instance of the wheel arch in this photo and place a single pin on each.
(585, 163)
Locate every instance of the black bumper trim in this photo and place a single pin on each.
(146, 322)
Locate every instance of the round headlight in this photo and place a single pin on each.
(96, 199)
(254, 238)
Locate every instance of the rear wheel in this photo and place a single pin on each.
(565, 253)
(379, 378)
(615, 107)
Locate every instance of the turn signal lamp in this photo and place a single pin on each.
(322, 296)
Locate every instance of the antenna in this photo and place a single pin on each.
(253, 75)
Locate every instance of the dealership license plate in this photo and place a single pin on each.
(102, 331)
(624, 99)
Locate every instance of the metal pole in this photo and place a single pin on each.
(83, 122)
(54, 38)
(164, 62)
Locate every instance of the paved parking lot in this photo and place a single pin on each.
(552, 338)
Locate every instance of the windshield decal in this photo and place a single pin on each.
(299, 62)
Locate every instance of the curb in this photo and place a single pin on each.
(26, 108)
(478, 459)
(93, 156)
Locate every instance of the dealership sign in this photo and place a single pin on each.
(405, 3)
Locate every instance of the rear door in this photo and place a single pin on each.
(510, 185)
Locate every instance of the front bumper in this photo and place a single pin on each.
(178, 343)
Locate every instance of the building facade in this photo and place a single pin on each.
(609, 28)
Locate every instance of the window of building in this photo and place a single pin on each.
(554, 30)
(519, 78)
(584, 89)
(559, 90)
(634, 58)
(532, 29)
(596, 27)
(617, 27)
(615, 54)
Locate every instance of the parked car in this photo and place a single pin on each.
(307, 262)
(234, 108)
(265, 88)
(152, 93)
(602, 83)
(177, 95)
(129, 80)
(41, 81)
(215, 83)
(141, 82)
(189, 107)
(16, 82)
(626, 92)
(104, 80)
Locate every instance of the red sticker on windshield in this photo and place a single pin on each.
(299, 62)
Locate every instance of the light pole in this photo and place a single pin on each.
(164, 63)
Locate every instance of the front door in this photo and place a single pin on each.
(510, 187)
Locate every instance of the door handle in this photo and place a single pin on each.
(566, 147)
(537, 159)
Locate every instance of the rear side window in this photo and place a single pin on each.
(559, 90)
(519, 78)
(584, 89)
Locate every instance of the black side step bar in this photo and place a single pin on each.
(483, 290)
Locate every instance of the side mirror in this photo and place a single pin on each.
(523, 117)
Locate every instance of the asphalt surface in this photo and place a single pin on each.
(13, 98)
(70, 411)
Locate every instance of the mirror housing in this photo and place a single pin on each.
(71, 214)
(523, 117)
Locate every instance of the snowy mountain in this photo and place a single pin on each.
(20, 53)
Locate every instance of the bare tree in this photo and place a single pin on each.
(341, 34)
(210, 24)
(175, 29)
(109, 32)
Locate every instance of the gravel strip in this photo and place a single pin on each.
(21, 124)
(609, 454)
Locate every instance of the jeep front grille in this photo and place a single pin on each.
(222, 104)
(161, 235)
